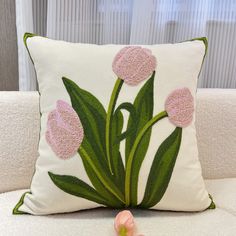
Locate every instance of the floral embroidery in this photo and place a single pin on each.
(179, 106)
(134, 64)
(115, 183)
(64, 130)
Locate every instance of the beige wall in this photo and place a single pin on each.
(8, 46)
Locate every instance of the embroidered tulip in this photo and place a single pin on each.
(64, 130)
(179, 107)
(134, 64)
(124, 223)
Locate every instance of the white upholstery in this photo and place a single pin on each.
(19, 134)
(99, 222)
(224, 193)
(216, 132)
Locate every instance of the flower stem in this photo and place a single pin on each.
(111, 108)
(103, 178)
(137, 141)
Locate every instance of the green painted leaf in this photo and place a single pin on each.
(77, 187)
(161, 169)
(97, 183)
(143, 105)
(116, 160)
(93, 118)
(130, 128)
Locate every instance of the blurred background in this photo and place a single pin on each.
(118, 22)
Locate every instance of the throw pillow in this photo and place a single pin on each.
(117, 127)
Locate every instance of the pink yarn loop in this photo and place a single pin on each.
(180, 107)
(64, 130)
(133, 64)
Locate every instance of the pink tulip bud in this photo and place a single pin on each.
(134, 64)
(124, 224)
(64, 130)
(179, 107)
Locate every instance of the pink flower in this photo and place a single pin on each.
(64, 130)
(124, 223)
(179, 107)
(134, 64)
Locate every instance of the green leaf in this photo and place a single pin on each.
(93, 119)
(143, 105)
(116, 160)
(77, 187)
(99, 184)
(161, 169)
(130, 128)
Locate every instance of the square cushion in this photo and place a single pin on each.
(117, 127)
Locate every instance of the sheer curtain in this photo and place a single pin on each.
(134, 22)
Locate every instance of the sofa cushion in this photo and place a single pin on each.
(99, 222)
(216, 132)
(19, 126)
(224, 193)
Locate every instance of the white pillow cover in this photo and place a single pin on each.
(117, 127)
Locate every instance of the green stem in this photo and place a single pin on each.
(111, 108)
(123, 231)
(137, 141)
(114, 190)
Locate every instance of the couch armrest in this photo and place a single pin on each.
(19, 136)
(216, 132)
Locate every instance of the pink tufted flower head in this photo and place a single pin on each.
(179, 107)
(124, 224)
(64, 130)
(134, 64)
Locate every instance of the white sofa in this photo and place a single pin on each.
(216, 133)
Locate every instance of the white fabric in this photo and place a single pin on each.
(99, 222)
(19, 125)
(54, 59)
(223, 191)
(137, 21)
(216, 125)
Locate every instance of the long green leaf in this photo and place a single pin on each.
(143, 105)
(98, 183)
(92, 115)
(93, 118)
(161, 169)
(77, 187)
(116, 160)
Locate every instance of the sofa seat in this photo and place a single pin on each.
(99, 222)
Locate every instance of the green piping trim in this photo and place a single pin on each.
(212, 205)
(205, 41)
(25, 37)
(16, 210)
